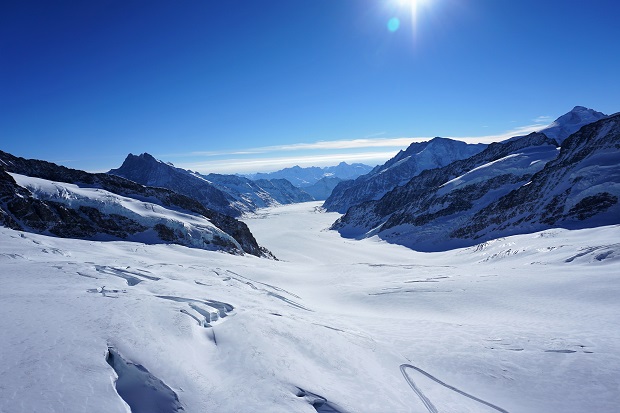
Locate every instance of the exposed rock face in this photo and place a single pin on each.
(19, 209)
(25, 212)
(399, 170)
(519, 186)
(578, 189)
(229, 194)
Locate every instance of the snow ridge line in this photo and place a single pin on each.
(429, 405)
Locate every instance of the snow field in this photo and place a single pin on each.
(526, 323)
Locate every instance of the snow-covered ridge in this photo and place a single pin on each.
(418, 157)
(529, 161)
(188, 229)
(518, 186)
(229, 194)
(20, 210)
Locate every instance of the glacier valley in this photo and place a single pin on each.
(525, 323)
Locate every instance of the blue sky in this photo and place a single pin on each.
(248, 85)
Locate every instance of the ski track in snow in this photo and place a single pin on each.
(429, 405)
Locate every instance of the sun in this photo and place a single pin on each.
(414, 7)
(412, 3)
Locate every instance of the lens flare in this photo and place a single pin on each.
(393, 24)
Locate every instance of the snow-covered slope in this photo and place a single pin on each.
(435, 154)
(437, 198)
(427, 224)
(571, 122)
(511, 188)
(579, 189)
(397, 171)
(525, 324)
(229, 194)
(303, 177)
(71, 206)
(152, 223)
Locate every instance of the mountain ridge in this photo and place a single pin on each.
(308, 176)
(21, 209)
(232, 195)
(406, 164)
(512, 187)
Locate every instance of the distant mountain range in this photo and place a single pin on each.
(521, 185)
(42, 197)
(435, 153)
(432, 196)
(305, 177)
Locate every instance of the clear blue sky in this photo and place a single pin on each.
(238, 85)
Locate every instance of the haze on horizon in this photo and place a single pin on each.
(247, 86)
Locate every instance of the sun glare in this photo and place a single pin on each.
(412, 3)
(413, 6)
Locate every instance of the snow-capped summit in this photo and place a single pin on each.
(571, 122)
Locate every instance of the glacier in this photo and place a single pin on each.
(525, 323)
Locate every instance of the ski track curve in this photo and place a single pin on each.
(429, 405)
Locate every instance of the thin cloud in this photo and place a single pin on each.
(320, 153)
(241, 165)
(520, 131)
(319, 145)
(543, 119)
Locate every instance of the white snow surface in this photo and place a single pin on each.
(526, 324)
(528, 161)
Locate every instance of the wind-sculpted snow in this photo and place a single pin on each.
(143, 392)
(521, 324)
